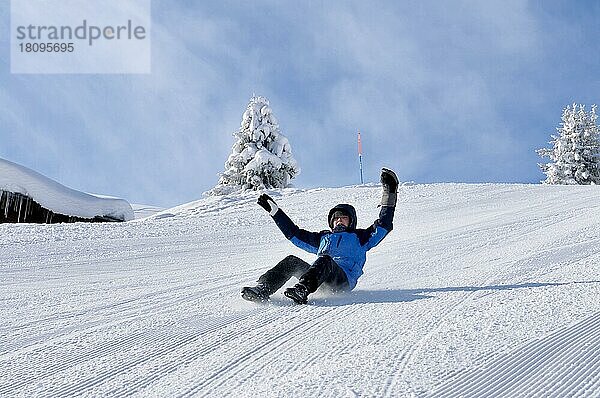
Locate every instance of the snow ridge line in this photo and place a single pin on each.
(563, 356)
(167, 347)
(127, 314)
(554, 354)
(189, 356)
(166, 342)
(209, 206)
(418, 346)
(557, 356)
(271, 346)
(97, 310)
(324, 386)
(125, 344)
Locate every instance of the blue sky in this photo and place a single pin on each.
(457, 91)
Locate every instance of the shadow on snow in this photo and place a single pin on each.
(323, 299)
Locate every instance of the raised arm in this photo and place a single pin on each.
(303, 239)
(389, 184)
(373, 235)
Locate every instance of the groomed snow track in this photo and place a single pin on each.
(480, 291)
(565, 363)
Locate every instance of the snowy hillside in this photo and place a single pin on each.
(480, 290)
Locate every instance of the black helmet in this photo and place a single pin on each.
(346, 209)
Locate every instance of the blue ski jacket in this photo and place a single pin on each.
(347, 248)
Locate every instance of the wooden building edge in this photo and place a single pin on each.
(19, 208)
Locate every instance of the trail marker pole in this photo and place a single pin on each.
(360, 159)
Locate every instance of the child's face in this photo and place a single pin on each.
(343, 220)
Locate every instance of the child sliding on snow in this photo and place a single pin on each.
(341, 252)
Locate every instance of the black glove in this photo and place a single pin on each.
(267, 203)
(389, 182)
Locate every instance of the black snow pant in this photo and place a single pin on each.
(323, 271)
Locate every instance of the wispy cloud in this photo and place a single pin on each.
(440, 92)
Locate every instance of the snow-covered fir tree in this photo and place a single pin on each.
(261, 157)
(575, 152)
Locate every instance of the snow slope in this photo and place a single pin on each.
(58, 198)
(480, 291)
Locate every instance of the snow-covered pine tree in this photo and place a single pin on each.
(261, 157)
(575, 152)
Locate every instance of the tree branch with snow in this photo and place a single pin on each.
(261, 158)
(575, 152)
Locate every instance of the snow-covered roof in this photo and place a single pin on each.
(58, 198)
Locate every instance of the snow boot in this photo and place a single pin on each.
(258, 293)
(298, 293)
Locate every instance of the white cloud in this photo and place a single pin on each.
(427, 84)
